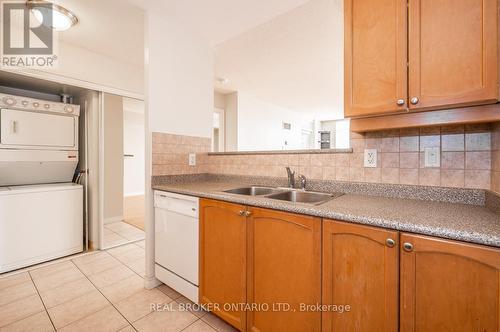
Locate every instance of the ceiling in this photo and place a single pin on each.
(220, 20)
(294, 61)
(114, 28)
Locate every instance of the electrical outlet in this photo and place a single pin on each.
(192, 159)
(432, 157)
(370, 157)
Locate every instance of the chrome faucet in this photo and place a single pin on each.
(291, 177)
(302, 181)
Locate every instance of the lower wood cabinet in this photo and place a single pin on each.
(360, 269)
(263, 270)
(284, 266)
(223, 260)
(448, 286)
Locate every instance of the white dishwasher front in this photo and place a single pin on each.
(176, 242)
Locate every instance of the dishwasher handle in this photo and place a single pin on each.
(182, 204)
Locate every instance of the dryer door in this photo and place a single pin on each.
(25, 129)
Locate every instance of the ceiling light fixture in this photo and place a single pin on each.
(62, 18)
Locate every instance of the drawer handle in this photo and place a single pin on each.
(390, 243)
(408, 247)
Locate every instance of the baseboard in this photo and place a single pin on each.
(113, 219)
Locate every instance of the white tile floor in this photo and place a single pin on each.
(118, 233)
(101, 291)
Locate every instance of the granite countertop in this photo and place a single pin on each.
(463, 222)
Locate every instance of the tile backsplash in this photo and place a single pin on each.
(469, 158)
(171, 154)
(495, 157)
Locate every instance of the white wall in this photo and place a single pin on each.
(180, 78)
(88, 69)
(133, 144)
(113, 157)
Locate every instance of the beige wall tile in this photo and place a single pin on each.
(431, 141)
(478, 142)
(408, 176)
(452, 178)
(357, 174)
(329, 173)
(477, 179)
(495, 181)
(429, 177)
(390, 160)
(356, 160)
(342, 174)
(390, 144)
(409, 144)
(478, 160)
(453, 142)
(453, 160)
(373, 175)
(409, 160)
(342, 159)
(390, 175)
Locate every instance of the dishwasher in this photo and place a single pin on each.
(176, 242)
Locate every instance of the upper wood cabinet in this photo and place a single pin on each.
(284, 266)
(223, 259)
(448, 286)
(453, 55)
(360, 269)
(375, 72)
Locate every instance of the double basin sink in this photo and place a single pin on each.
(285, 194)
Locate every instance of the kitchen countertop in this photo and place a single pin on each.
(463, 222)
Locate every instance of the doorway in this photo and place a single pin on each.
(123, 170)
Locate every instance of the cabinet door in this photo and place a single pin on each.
(284, 266)
(375, 60)
(448, 286)
(360, 269)
(223, 260)
(452, 52)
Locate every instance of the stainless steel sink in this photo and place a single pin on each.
(252, 191)
(309, 197)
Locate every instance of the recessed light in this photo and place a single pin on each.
(52, 15)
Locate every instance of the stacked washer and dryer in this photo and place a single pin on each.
(41, 209)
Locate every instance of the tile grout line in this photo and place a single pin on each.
(41, 300)
(112, 304)
(118, 259)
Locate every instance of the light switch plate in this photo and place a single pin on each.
(192, 159)
(371, 158)
(432, 157)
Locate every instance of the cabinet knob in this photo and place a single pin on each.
(400, 102)
(247, 213)
(414, 100)
(408, 246)
(390, 243)
(241, 213)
